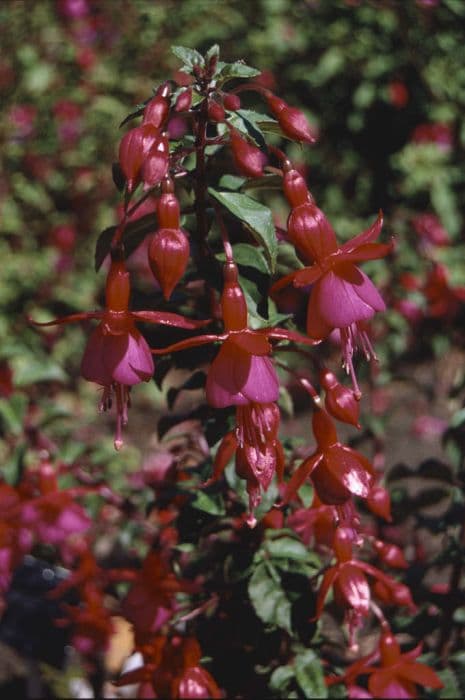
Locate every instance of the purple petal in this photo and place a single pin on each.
(128, 357)
(236, 378)
(93, 367)
(341, 303)
(262, 383)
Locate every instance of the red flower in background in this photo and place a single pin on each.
(399, 676)
(172, 670)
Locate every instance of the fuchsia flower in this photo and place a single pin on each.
(243, 375)
(259, 453)
(341, 295)
(337, 471)
(399, 676)
(348, 580)
(172, 669)
(117, 356)
(150, 601)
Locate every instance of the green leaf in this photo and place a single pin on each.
(12, 412)
(309, 675)
(133, 115)
(212, 51)
(30, 370)
(287, 548)
(190, 57)
(209, 503)
(247, 126)
(281, 681)
(133, 235)
(102, 247)
(238, 69)
(268, 597)
(232, 182)
(249, 256)
(255, 216)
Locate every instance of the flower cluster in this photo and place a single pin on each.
(187, 239)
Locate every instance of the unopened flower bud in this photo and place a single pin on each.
(292, 121)
(168, 256)
(184, 100)
(379, 502)
(156, 163)
(156, 111)
(133, 149)
(216, 111)
(231, 102)
(390, 554)
(249, 159)
(340, 401)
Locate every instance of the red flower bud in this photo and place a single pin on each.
(156, 111)
(295, 188)
(133, 148)
(168, 257)
(164, 90)
(184, 100)
(232, 102)
(156, 164)
(249, 159)
(216, 111)
(340, 401)
(292, 121)
(390, 554)
(379, 502)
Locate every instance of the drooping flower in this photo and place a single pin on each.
(337, 471)
(341, 295)
(399, 676)
(259, 453)
(150, 601)
(172, 669)
(243, 375)
(117, 356)
(348, 578)
(242, 372)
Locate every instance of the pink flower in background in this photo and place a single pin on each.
(430, 229)
(23, 117)
(438, 133)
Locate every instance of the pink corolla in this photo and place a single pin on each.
(242, 373)
(117, 355)
(341, 295)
